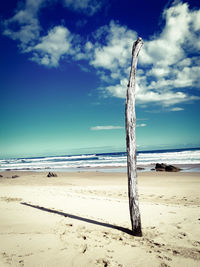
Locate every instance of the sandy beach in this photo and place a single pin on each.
(82, 219)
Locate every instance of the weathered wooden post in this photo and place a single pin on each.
(131, 143)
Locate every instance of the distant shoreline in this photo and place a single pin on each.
(185, 159)
(140, 168)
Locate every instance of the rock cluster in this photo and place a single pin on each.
(51, 174)
(167, 168)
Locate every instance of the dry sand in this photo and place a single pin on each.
(82, 219)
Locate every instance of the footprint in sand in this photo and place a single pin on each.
(102, 262)
(69, 224)
(167, 258)
(175, 252)
(84, 248)
(183, 234)
(21, 262)
(196, 243)
(84, 237)
(110, 251)
(163, 264)
(159, 257)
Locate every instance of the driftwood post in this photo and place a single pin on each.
(131, 143)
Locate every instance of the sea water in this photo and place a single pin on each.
(106, 161)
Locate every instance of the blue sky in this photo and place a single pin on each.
(65, 67)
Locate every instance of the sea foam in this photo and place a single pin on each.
(104, 160)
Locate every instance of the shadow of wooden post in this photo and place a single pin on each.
(75, 217)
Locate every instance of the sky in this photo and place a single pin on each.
(65, 67)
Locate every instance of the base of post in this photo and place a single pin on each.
(137, 232)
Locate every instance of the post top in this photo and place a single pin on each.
(139, 42)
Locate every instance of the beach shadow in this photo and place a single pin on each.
(75, 217)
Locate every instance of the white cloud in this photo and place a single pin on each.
(184, 63)
(88, 46)
(158, 72)
(116, 53)
(141, 125)
(25, 27)
(167, 61)
(52, 47)
(26, 18)
(27, 22)
(99, 128)
(176, 109)
(188, 76)
(166, 49)
(166, 98)
(118, 90)
(89, 7)
(167, 53)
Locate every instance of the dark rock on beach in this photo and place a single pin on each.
(140, 168)
(51, 174)
(160, 167)
(171, 168)
(15, 176)
(167, 168)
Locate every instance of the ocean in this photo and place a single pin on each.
(190, 158)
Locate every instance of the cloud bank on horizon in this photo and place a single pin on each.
(168, 63)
